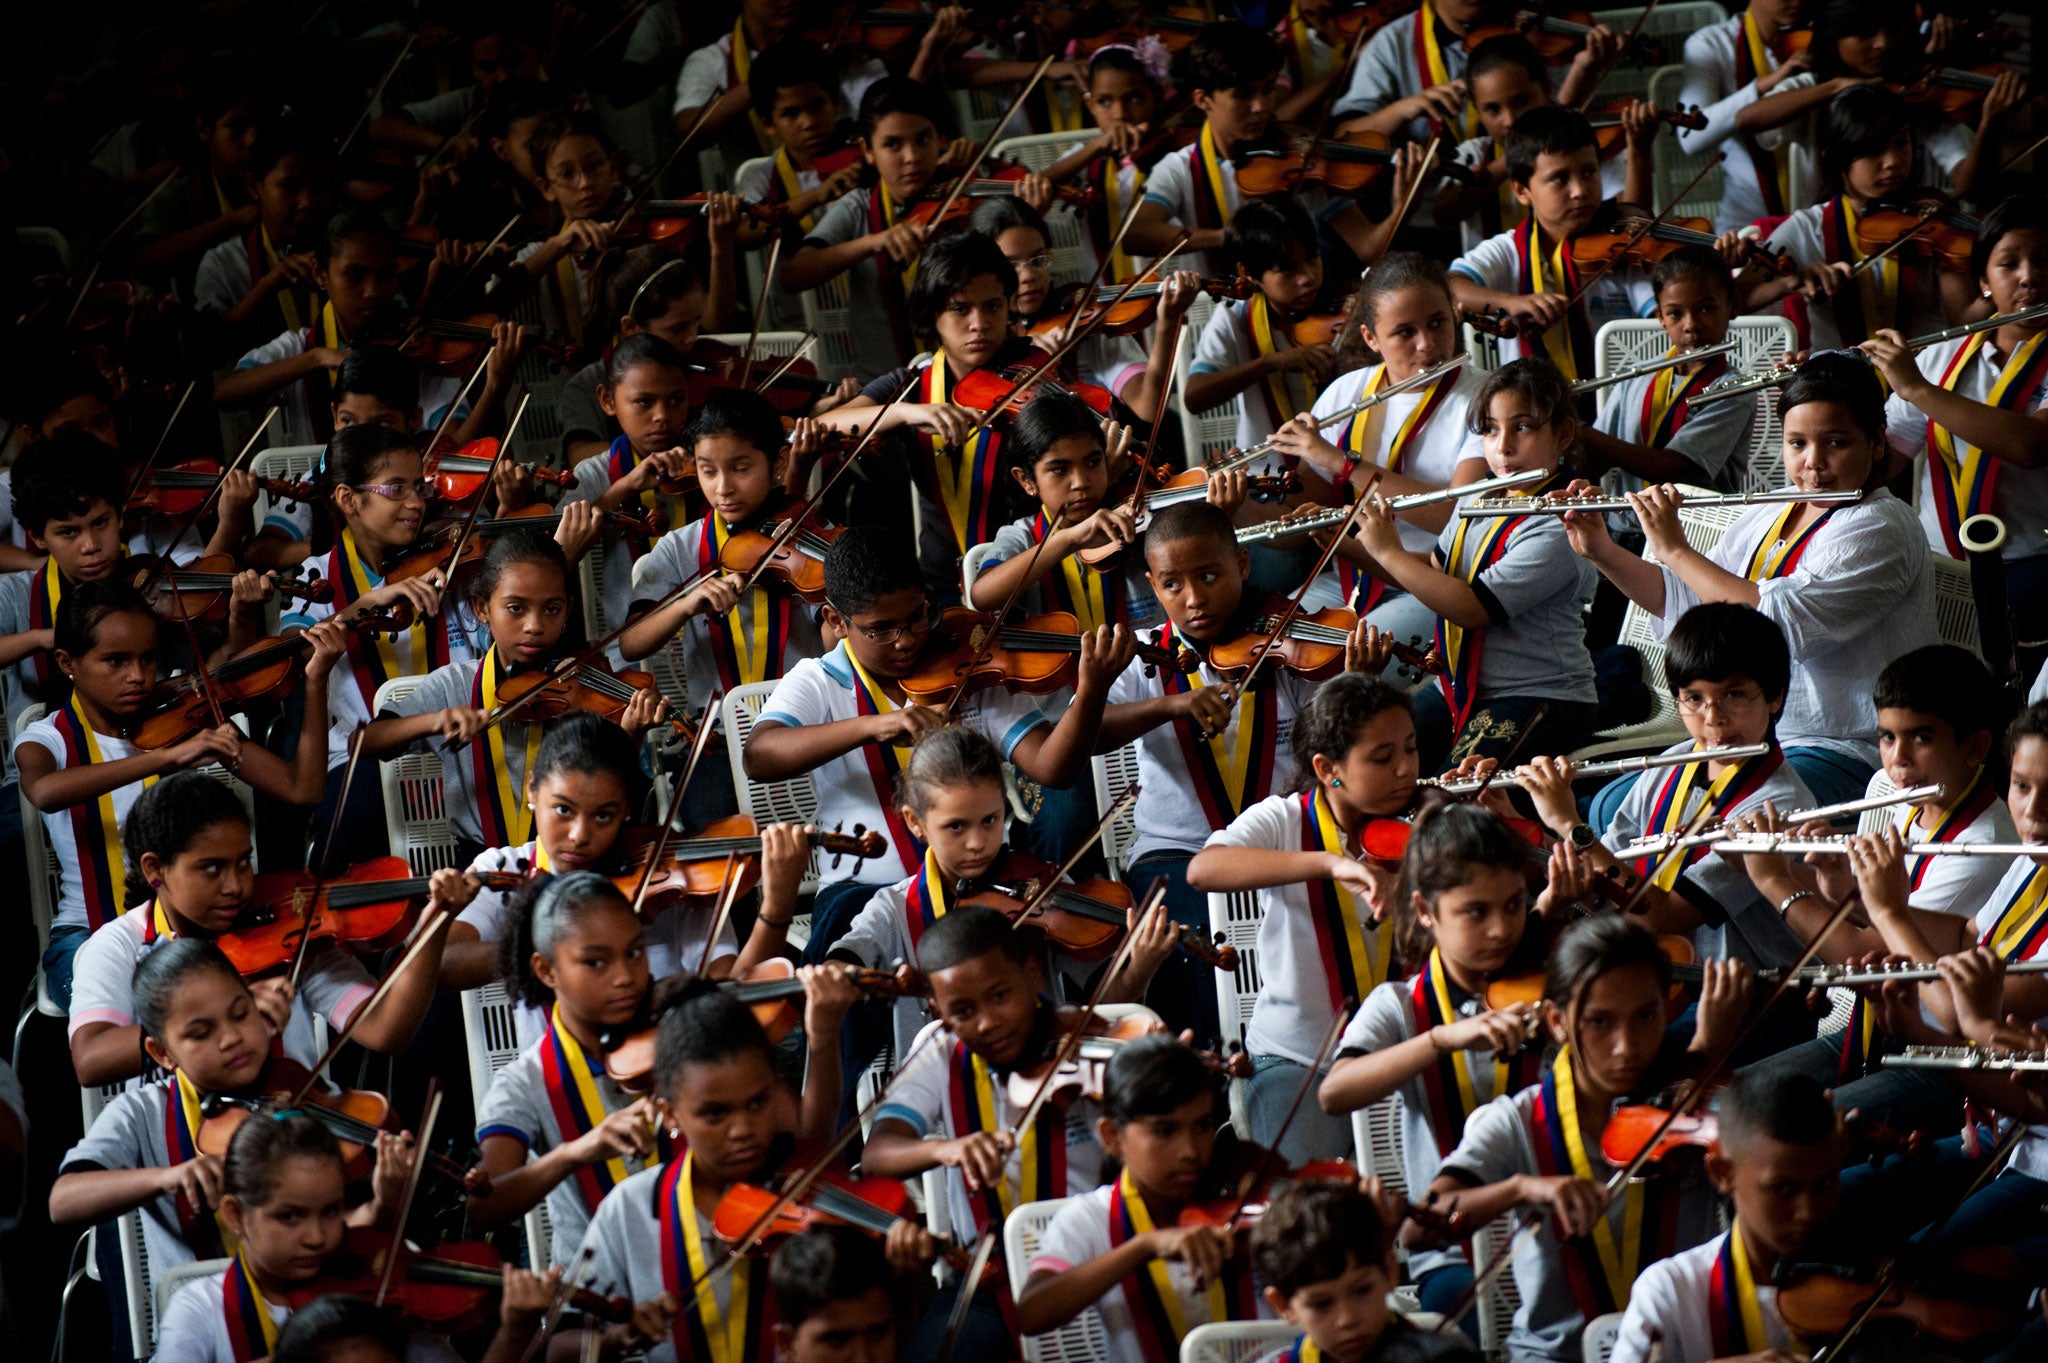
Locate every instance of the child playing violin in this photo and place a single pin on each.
(1412, 72)
(722, 1102)
(1606, 1007)
(654, 291)
(1778, 1160)
(1125, 85)
(1553, 164)
(583, 786)
(951, 1108)
(1197, 731)
(187, 840)
(793, 90)
(1849, 585)
(356, 271)
(521, 594)
(1123, 1249)
(252, 283)
(1971, 411)
(65, 394)
(81, 771)
(847, 720)
(1324, 1252)
(1866, 153)
(1416, 442)
(207, 197)
(1508, 597)
(1729, 65)
(1461, 907)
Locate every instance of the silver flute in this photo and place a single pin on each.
(1780, 374)
(1705, 352)
(1558, 506)
(1969, 1057)
(1731, 753)
(1337, 515)
(1837, 844)
(1428, 376)
(1714, 832)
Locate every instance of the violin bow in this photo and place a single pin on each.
(1601, 270)
(149, 465)
(638, 196)
(788, 363)
(199, 668)
(412, 1186)
(206, 502)
(1401, 213)
(970, 1283)
(1293, 610)
(1137, 501)
(448, 421)
(1053, 881)
(987, 644)
(1940, 209)
(422, 934)
(760, 310)
(497, 457)
(1270, 1156)
(425, 319)
(668, 824)
(781, 537)
(724, 910)
(981, 152)
(340, 151)
(558, 1304)
(348, 776)
(1607, 67)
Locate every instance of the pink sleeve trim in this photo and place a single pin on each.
(1046, 1263)
(113, 1016)
(344, 1012)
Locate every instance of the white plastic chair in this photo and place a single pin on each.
(1674, 169)
(970, 569)
(1210, 432)
(828, 311)
(174, 1278)
(1599, 1337)
(43, 875)
(1038, 151)
(791, 801)
(1234, 920)
(1080, 1340)
(1376, 1143)
(1955, 605)
(294, 463)
(1114, 773)
(1761, 342)
(415, 796)
(1235, 1341)
(490, 1033)
(1067, 242)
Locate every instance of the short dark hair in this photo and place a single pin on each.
(1790, 1108)
(283, 138)
(324, 1322)
(786, 65)
(348, 225)
(1447, 845)
(642, 347)
(993, 217)
(737, 412)
(2016, 213)
(1945, 681)
(383, 372)
(1721, 639)
(63, 475)
(527, 544)
(2031, 722)
(1531, 377)
(1692, 262)
(260, 1148)
(1269, 234)
(950, 264)
(1848, 380)
(86, 606)
(955, 755)
(1504, 51)
(558, 128)
(823, 1265)
(1192, 520)
(516, 98)
(47, 383)
(968, 932)
(1859, 122)
(1045, 421)
(168, 818)
(1152, 1076)
(706, 1025)
(166, 970)
(1547, 131)
(1228, 55)
(895, 95)
(865, 564)
(590, 745)
(1313, 1232)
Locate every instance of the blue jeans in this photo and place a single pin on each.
(58, 958)
(1314, 1134)
(1183, 992)
(984, 1336)
(1908, 1100)
(1607, 801)
(1440, 1289)
(1832, 776)
(833, 910)
(1063, 819)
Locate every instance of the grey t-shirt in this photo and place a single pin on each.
(877, 346)
(1535, 594)
(130, 1133)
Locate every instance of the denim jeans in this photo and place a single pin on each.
(1441, 1289)
(1908, 1100)
(65, 940)
(1314, 1134)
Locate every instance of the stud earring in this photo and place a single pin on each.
(1337, 781)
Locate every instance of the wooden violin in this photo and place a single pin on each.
(797, 560)
(432, 551)
(1084, 917)
(1929, 230)
(1558, 36)
(1101, 1040)
(443, 1291)
(1626, 240)
(453, 346)
(1611, 137)
(353, 1116)
(460, 478)
(1344, 163)
(1954, 93)
(792, 386)
(202, 590)
(985, 389)
(695, 870)
(1313, 646)
(181, 489)
(1037, 656)
(1241, 1178)
(591, 686)
(678, 220)
(1527, 987)
(875, 1205)
(369, 907)
(1977, 1293)
(1174, 25)
(997, 179)
(1123, 313)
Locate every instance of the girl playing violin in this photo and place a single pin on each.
(1416, 442)
(1323, 940)
(583, 787)
(187, 840)
(1970, 411)
(1125, 85)
(1462, 908)
(374, 498)
(521, 593)
(208, 1032)
(1507, 594)
(655, 291)
(84, 775)
(1606, 1008)
(1122, 1249)
(719, 1099)
(1866, 151)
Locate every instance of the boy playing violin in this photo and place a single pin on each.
(1553, 162)
(846, 718)
(252, 283)
(794, 92)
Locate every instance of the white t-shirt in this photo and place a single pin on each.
(1430, 453)
(1227, 342)
(1802, 238)
(1711, 86)
(1669, 1317)
(1496, 264)
(195, 1329)
(1958, 885)
(2019, 496)
(61, 826)
(298, 424)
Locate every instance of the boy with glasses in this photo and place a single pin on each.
(844, 717)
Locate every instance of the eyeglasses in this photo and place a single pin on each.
(1032, 263)
(591, 172)
(1727, 703)
(890, 634)
(397, 492)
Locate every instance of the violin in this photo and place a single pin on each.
(1345, 25)
(798, 561)
(202, 589)
(997, 179)
(1557, 37)
(432, 551)
(442, 1291)
(182, 489)
(677, 220)
(1317, 328)
(453, 346)
(876, 1205)
(369, 907)
(263, 674)
(1623, 243)
(1633, 1125)
(771, 990)
(1952, 92)
(352, 1116)
(1313, 646)
(695, 870)
(593, 686)
(1191, 486)
(1082, 1074)
(459, 478)
(1508, 990)
(792, 387)
(1345, 163)
(987, 388)
(1174, 25)
(1609, 135)
(1241, 1178)
(1930, 229)
(1037, 656)
(1122, 314)
(1975, 1294)
(1085, 918)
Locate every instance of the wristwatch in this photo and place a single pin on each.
(1582, 837)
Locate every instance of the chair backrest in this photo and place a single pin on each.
(781, 344)
(1667, 26)
(44, 876)
(1599, 1337)
(1376, 1142)
(1674, 168)
(1114, 773)
(415, 796)
(294, 463)
(970, 569)
(828, 311)
(539, 437)
(791, 801)
(1215, 430)
(490, 1031)
(1234, 919)
(1761, 342)
(1038, 151)
(172, 1279)
(713, 175)
(1235, 1341)
(1080, 1340)
(1955, 605)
